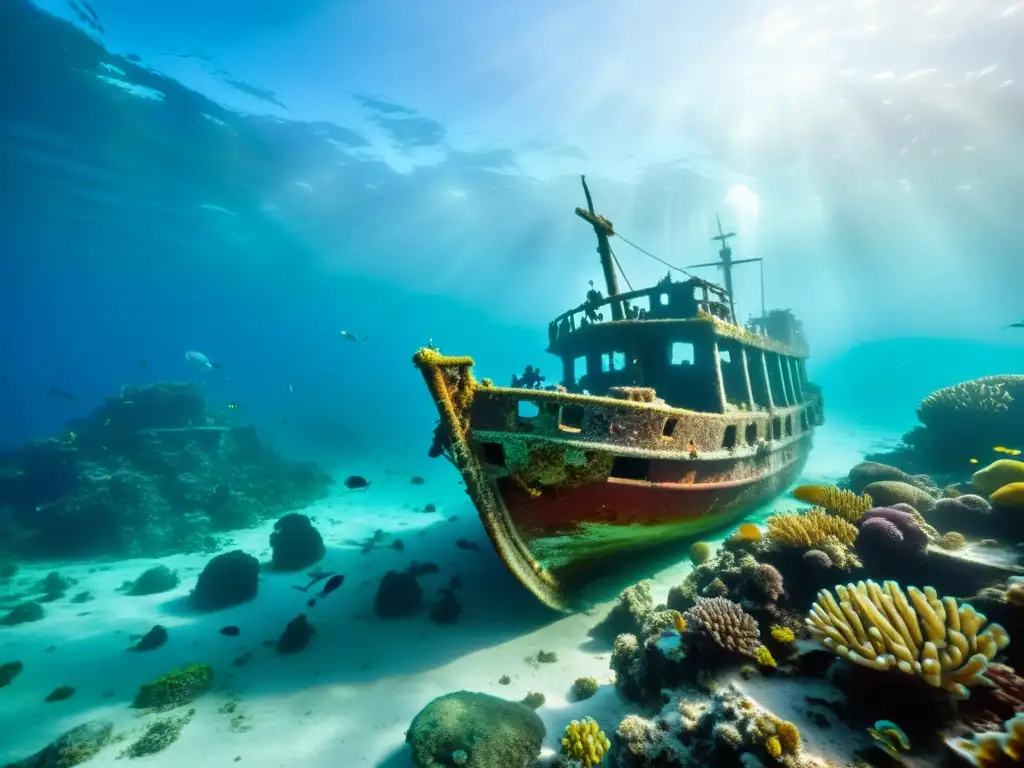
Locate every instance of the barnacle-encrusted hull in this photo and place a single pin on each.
(586, 478)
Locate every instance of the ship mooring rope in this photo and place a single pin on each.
(648, 253)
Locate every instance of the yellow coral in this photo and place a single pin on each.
(789, 736)
(1015, 594)
(773, 746)
(1010, 496)
(585, 741)
(764, 657)
(782, 634)
(809, 529)
(845, 504)
(934, 638)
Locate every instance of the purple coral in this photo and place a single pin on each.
(966, 504)
(899, 531)
(725, 624)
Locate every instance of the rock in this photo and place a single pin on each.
(296, 635)
(10, 670)
(76, 746)
(628, 616)
(997, 474)
(155, 638)
(23, 613)
(178, 687)
(60, 694)
(157, 579)
(493, 732)
(295, 543)
(229, 579)
(399, 594)
(446, 610)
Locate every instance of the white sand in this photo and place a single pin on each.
(349, 697)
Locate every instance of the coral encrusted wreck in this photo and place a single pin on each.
(149, 472)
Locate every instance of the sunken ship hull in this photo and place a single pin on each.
(697, 421)
(565, 482)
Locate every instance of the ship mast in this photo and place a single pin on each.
(603, 229)
(727, 263)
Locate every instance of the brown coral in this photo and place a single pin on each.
(845, 504)
(993, 748)
(953, 541)
(808, 530)
(726, 624)
(987, 395)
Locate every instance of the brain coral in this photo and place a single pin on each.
(880, 536)
(911, 531)
(997, 474)
(937, 639)
(889, 492)
(979, 398)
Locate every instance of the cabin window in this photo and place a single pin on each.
(630, 468)
(787, 379)
(579, 368)
(729, 439)
(494, 454)
(798, 386)
(663, 299)
(618, 361)
(776, 428)
(682, 353)
(725, 356)
(571, 417)
(803, 420)
(789, 426)
(751, 434)
(528, 409)
(734, 375)
(670, 427)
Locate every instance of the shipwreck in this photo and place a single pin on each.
(671, 421)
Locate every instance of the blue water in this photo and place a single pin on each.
(248, 180)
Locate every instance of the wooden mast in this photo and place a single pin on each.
(603, 229)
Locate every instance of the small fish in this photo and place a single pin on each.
(472, 546)
(71, 437)
(352, 337)
(199, 358)
(232, 405)
(311, 602)
(230, 631)
(353, 482)
(63, 394)
(417, 480)
(973, 461)
(291, 389)
(332, 584)
(890, 738)
(1016, 325)
(316, 576)
(143, 364)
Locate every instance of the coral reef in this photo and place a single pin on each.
(936, 639)
(841, 503)
(149, 472)
(961, 422)
(992, 749)
(72, 748)
(178, 687)
(809, 529)
(999, 473)
(889, 492)
(157, 579)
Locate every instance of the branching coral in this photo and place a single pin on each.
(809, 529)
(725, 623)
(934, 638)
(845, 504)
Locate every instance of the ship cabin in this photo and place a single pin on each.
(680, 339)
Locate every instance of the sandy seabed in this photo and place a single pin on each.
(348, 698)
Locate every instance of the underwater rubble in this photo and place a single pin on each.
(150, 472)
